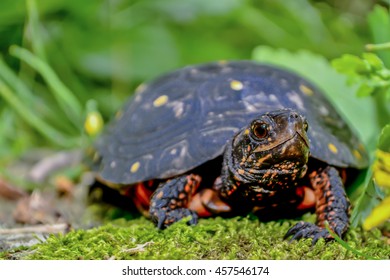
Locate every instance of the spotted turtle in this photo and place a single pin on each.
(232, 138)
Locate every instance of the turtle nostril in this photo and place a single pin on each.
(294, 116)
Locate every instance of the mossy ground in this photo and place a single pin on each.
(235, 238)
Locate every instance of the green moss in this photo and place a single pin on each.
(236, 238)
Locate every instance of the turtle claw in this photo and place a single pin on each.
(307, 230)
(163, 219)
(159, 220)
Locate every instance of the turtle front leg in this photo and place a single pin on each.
(170, 201)
(332, 206)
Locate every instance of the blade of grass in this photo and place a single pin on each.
(34, 32)
(65, 98)
(10, 78)
(24, 112)
(25, 94)
(33, 27)
(346, 245)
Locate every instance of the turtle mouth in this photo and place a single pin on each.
(297, 135)
(303, 138)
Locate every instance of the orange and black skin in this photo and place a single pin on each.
(170, 201)
(332, 206)
(265, 171)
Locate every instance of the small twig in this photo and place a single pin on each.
(139, 248)
(56, 228)
(52, 163)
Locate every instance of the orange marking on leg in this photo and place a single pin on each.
(160, 195)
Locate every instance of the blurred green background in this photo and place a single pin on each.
(58, 55)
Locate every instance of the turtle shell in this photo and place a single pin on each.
(185, 118)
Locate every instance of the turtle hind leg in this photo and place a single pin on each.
(332, 206)
(170, 201)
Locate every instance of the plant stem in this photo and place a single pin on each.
(34, 27)
(377, 47)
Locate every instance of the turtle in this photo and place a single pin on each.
(232, 138)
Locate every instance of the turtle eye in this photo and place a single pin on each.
(260, 129)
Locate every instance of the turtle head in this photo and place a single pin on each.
(272, 150)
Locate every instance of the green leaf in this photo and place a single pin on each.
(370, 197)
(384, 139)
(364, 90)
(384, 74)
(375, 62)
(350, 65)
(379, 84)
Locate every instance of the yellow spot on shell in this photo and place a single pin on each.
(357, 154)
(161, 100)
(236, 85)
(246, 131)
(332, 148)
(306, 90)
(134, 168)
